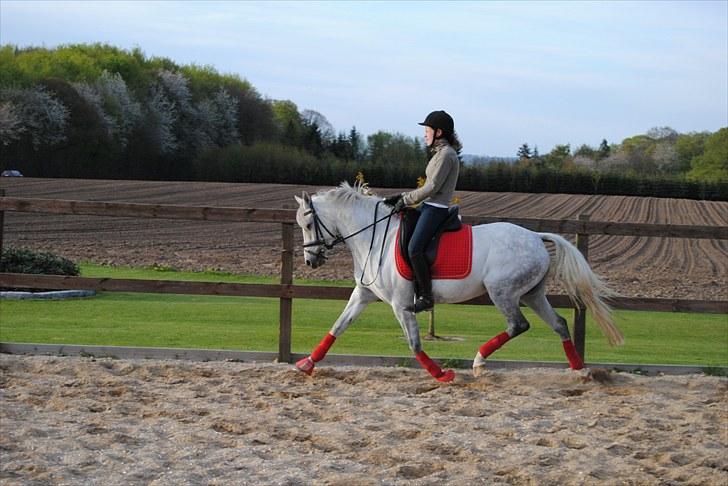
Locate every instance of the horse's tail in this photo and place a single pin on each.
(583, 286)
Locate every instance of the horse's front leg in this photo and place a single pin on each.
(411, 330)
(358, 301)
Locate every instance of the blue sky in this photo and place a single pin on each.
(509, 72)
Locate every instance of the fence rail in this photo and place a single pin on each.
(286, 291)
(248, 215)
(290, 291)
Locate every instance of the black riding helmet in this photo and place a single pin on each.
(440, 119)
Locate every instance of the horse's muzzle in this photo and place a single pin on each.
(315, 261)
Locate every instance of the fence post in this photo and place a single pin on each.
(582, 243)
(431, 326)
(2, 223)
(286, 303)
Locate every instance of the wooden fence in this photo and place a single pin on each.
(286, 291)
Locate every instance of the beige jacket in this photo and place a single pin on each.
(442, 176)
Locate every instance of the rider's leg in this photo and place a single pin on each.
(423, 278)
(430, 219)
(360, 298)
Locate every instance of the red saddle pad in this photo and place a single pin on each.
(454, 256)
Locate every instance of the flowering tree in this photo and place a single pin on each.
(37, 112)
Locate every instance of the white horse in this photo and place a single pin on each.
(509, 262)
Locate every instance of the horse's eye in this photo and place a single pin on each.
(308, 226)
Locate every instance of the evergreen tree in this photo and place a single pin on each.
(603, 151)
(355, 142)
(524, 152)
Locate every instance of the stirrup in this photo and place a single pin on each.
(421, 304)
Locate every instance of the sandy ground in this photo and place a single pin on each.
(69, 420)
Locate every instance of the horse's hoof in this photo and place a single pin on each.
(305, 365)
(479, 370)
(447, 376)
(478, 365)
(582, 373)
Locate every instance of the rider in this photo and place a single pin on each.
(436, 194)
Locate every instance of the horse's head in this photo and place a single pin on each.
(314, 241)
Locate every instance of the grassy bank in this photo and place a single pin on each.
(245, 323)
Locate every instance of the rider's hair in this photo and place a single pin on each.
(452, 139)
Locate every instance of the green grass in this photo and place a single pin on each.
(247, 323)
(165, 273)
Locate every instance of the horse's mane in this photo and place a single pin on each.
(346, 193)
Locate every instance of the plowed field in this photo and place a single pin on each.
(634, 266)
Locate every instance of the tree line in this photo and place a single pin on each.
(662, 151)
(97, 111)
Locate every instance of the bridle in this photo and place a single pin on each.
(320, 241)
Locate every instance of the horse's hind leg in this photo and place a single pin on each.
(507, 303)
(358, 301)
(536, 300)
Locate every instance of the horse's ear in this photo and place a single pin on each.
(306, 197)
(298, 200)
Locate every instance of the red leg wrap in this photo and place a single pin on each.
(491, 346)
(575, 361)
(323, 347)
(427, 363)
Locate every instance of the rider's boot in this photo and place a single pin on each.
(421, 270)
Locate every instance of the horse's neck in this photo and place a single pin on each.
(352, 217)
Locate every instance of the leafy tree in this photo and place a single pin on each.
(11, 75)
(688, 146)
(637, 152)
(256, 117)
(289, 119)
(205, 81)
(557, 157)
(377, 144)
(712, 165)
(311, 118)
(395, 149)
(662, 133)
(585, 151)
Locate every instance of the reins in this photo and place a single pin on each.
(321, 239)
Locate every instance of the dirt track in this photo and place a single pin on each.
(119, 422)
(647, 267)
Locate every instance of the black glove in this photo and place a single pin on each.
(395, 201)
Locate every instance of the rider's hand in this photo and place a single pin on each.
(395, 201)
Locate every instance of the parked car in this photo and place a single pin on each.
(11, 173)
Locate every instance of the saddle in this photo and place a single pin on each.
(449, 260)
